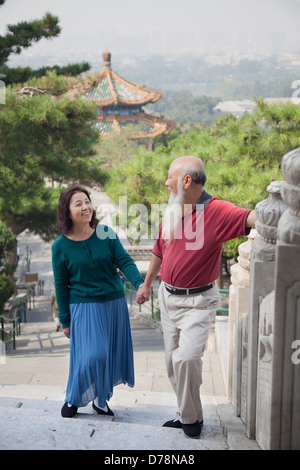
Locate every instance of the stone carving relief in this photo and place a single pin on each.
(268, 214)
(264, 371)
(240, 272)
(266, 335)
(289, 225)
(245, 338)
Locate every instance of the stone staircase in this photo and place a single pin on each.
(32, 392)
(33, 377)
(30, 419)
(30, 407)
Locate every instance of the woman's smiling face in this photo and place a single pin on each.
(80, 209)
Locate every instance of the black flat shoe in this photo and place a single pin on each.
(173, 423)
(109, 412)
(68, 411)
(193, 431)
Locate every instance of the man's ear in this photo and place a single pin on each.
(187, 181)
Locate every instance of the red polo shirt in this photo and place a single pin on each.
(193, 258)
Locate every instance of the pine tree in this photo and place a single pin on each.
(43, 137)
(24, 35)
(240, 157)
(7, 243)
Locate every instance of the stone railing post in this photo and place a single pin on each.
(262, 274)
(238, 311)
(285, 402)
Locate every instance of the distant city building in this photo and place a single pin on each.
(120, 102)
(237, 108)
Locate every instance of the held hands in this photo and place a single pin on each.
(143, 294)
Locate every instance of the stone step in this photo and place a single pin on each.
(140, 411)
(137, 424)
(50, 432)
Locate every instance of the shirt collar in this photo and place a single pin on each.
(200, 204)
(204, 199)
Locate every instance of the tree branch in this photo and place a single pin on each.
(29, 90)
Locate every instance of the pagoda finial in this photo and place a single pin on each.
(106, 60)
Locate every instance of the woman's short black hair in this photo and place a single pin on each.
(64, 223)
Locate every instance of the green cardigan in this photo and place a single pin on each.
(86, 271)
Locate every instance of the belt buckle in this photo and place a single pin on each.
(187, 291)
(171, 288)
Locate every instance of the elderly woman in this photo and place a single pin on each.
(91, 302)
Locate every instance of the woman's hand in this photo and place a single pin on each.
(67, 332)
(143, 294)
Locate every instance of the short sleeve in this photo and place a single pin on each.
(230, 222)
(158, 245)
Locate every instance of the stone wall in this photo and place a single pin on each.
(262, 380)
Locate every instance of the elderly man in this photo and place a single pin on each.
(187, 253)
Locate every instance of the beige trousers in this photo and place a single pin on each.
(186, 322)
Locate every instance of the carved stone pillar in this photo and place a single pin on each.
(262, 283)
(285, 405)
(238, 311)
(264, 371)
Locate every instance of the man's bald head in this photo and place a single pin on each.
(190, 165)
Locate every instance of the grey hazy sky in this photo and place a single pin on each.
(88, 20)
(130, 16)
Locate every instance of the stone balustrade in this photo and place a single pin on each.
(285, 398)
(264, 318)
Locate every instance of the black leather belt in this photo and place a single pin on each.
(192, 290)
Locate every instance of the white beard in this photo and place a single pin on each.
(173, 215)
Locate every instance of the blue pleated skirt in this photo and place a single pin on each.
(101, 353)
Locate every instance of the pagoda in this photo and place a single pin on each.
(120, 102)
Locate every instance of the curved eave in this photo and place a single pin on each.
(146, 95)
(159, 125)
(105, 103)
(150, 96)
